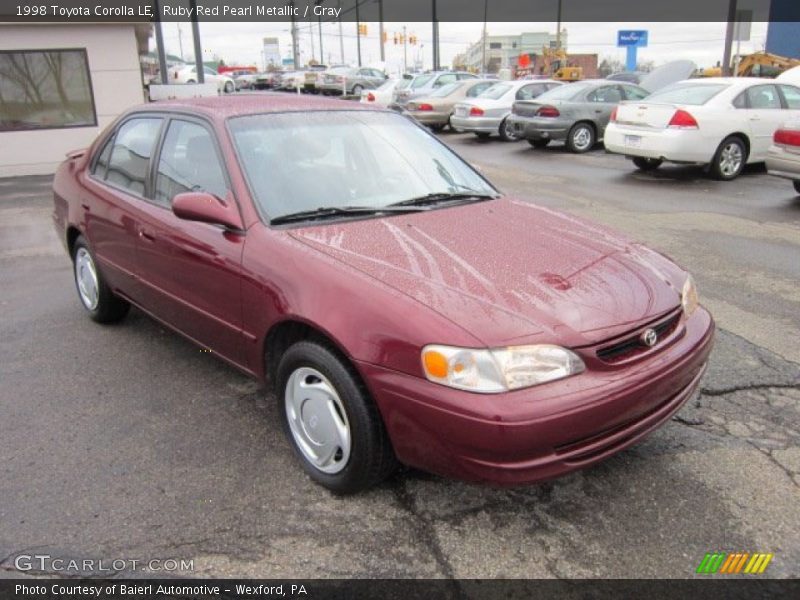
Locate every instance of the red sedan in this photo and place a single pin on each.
(402, 308)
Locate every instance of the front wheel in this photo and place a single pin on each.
(796, 183)
(580, 138)
(481, 135)
(729, 159)
(95, 295)
(331, 421)
(539, 143)
(357, 89)
(229, 87)
(507, 132)
(647, 164)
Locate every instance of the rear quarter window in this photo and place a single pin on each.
(693, 94)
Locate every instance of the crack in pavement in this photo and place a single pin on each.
(747, 388)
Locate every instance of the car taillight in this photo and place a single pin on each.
(613, 118)
(475, 111)
(370, 97)
(548, 111)
(787, 137)
(682, 120)
(424, 106)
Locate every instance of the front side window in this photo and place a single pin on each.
(188, 163)
(130, 155)
(42, 89)
(304, 161)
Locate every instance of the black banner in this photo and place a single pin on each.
(648, 11)
(732, 588)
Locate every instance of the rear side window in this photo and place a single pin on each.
(763, 96)
(421, 80)
(188, 163)
(101, 164)
(130, 155)
(529, 91)
(606, 94)
(478, 89)
(635, 93)
(792, 96)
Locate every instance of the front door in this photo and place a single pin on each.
(190, 272)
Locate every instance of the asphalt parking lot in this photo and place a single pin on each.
(129, 442)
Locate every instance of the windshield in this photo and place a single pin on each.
(693, 94)
(421, 80)
(303, 161)
(496, 91)
(445, 90)
(564, 92)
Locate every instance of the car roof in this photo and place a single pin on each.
(223, 107)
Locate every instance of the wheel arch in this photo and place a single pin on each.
(73, 233)
(742, 136)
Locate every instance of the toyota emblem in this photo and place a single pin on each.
(649, 337)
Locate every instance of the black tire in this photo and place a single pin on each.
(539, 143)
(796, 184)
(581, 138)
(109, 308)
(647, 164)
(507, 133)
(482, 135)
(191, 81)
(721, 166)
(437, 128)
(228, 88)
(371, 457)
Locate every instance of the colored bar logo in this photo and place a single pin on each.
(734, 562)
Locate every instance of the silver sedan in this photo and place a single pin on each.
(488, 113)
(783, 157)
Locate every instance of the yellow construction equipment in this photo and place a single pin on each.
(555, 65)
(758, 64)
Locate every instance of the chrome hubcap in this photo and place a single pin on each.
(317, 420)
(582, 138)
(730, 159)
(509, 130)
(86, 278)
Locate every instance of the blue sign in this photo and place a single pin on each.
(632, 37)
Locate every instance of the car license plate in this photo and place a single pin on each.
(633, 141)
(461, 111)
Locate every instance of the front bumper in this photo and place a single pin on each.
(533, 128)
(477, 124)
(542, 432)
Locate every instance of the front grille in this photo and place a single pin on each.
(633, 344)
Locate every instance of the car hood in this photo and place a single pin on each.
(508, 271)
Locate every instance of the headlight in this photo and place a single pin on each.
(500, 369)
(689, 299)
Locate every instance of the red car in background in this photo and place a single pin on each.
(401, 307)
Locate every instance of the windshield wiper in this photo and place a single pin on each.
(439, 197)
(324, 212)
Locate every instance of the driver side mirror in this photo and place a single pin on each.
(206, 208)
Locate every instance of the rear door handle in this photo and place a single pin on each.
(143, 233)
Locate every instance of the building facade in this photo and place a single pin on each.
(502, 51)
(60, 85)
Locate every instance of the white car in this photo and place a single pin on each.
(488, 113)
(188, 74)
(722, 122)
(381, 96)
(783, 157)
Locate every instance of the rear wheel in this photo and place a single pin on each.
(647, 164)
(580, 138)
(539, 143)
(482, 135)
(437, 127)
(507, 132)
(357, 89)
(229, 87)
(729, 159)
(95, 295)
(331, 421)
(796, 183)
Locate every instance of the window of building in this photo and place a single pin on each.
(43, 89)
(495, 45)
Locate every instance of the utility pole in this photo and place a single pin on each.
(341, 38)
(380, 32)
(726, 58)
(435, 37)
(198, 50)
(405, 50)
(180, 40)
(558, 27)
(311, 37)
(294, 39)
(358, 34)
(483, 43)
(162, 57)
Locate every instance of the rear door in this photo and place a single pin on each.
(190, 271)
(114, 191)
(764, 114)
(600, 102)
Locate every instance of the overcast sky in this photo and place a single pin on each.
(240, 43)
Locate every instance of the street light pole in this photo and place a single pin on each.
(726, 58)
(358, 34)
(380, 32)
(405, 50)
(558, 27)
(483, 42)
(198, 50)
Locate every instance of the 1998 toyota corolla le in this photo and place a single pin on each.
(403, 309)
